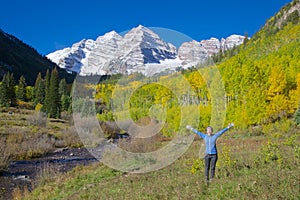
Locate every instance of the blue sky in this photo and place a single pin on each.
(53, 24)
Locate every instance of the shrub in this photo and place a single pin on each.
(38, 107)
(269, 153)
(226, 164)
(198, 166)
(226, 158)
(106, 116)
(38, 119)
(68, 137)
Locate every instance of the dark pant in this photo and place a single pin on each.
(210, 163)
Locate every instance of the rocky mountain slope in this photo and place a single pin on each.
(139, 50)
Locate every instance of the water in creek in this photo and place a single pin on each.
(24, 173)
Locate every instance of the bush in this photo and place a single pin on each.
(38, 107)
(198, 166)
(68, 138)
(106, 116)
(269, 153)
(38, 119)
(280, 127)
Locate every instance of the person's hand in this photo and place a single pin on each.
(230, 125)
(189, 127)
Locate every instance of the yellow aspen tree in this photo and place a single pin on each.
(278, 102)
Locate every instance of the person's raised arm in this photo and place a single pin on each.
(202, 135)
(225, 129)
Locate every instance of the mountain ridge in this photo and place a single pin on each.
(136, 51)
(20, 59)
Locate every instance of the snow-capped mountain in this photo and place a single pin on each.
(205, 48)
(103, 52)
(72, 57)
(139, 50)
(212, 45)
(231, 41)
(192, 51)
(138, 47)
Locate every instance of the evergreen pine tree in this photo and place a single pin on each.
(63, 87)
(21, 92)
(64, 97)
(54, 106)
(65, 102)
(47, 100)
(7, 92)
(39, 89)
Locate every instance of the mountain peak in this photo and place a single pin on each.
(141, 27)
(109, 36)
(141, 30)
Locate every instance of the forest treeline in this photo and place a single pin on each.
(49, 94)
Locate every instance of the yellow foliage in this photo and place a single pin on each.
(25, 105)
(278, 106)
(277, 81)
(38, 107)
(196, 81)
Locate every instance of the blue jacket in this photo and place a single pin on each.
(210, 141)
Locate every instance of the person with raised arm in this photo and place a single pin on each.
(211, 153)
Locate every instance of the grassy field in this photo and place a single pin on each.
(260, 163)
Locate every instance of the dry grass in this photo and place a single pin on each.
(143, 145)
(19, 193)
(27, 134)
(38, 119)
(68, 138)
(5, 157)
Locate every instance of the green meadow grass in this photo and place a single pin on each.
(249, 167)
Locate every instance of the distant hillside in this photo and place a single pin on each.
(21, 59)
(262, 81)
(287, 14)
